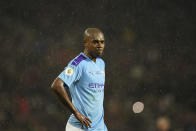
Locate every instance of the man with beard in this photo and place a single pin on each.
(85, 78)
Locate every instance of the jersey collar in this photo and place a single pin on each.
(82, 53)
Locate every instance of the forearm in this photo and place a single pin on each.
(63, 96)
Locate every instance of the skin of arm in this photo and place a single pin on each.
(58, 87)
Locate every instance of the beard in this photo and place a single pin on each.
(96, 54)
(99, 53)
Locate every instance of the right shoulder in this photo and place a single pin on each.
(77, 60)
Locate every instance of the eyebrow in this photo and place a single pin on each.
(97, 41)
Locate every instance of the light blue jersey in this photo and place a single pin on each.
(85, 79)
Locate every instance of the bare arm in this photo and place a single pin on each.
(58, 88)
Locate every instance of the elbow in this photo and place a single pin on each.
(56, 84)
(53, 86)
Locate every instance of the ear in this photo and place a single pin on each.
(85, 44)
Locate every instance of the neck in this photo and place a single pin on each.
(91, 57)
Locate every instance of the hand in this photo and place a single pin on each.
(83, 120)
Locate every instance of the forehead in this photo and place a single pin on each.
(98, 36)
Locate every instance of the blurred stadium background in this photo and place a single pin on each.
(150, 58)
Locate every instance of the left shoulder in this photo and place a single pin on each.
(101, 61)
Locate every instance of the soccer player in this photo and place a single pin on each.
(85, 78)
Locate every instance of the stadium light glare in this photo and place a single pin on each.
(138, 107)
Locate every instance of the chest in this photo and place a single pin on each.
(93, 80)
(94, 74)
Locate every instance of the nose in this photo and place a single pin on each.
(100, 45)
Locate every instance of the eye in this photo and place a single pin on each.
(102, 41)
(95, 41)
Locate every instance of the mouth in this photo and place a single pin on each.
(99, 49)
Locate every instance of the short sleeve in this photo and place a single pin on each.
(70, 75)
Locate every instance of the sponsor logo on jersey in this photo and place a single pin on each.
(95, 85)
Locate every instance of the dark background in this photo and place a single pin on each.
(149, 55)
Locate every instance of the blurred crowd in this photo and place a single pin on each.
(149, 55)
